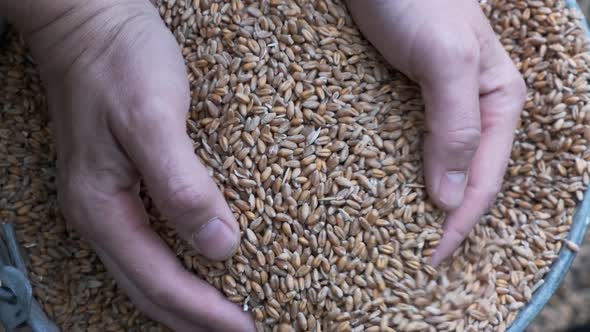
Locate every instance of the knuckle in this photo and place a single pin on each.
(509, 95)
(82, 189)
(144, 113)
(182, 197)
(516, 86)
(463, 142)
(465, 52)
(148, 113)
(450, 55)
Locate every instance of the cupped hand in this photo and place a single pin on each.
(473, 97)
(118, 95)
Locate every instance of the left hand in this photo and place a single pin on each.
(473, 95)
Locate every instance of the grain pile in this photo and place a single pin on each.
(569, 306)
(316, 146)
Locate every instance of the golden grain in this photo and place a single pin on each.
(316, 147)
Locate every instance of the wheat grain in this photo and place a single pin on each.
(316, 147)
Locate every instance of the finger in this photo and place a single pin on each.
(485, 180)
(155, 139)
(149, 271)
(151, 309)
(503, 95)
(451, 95)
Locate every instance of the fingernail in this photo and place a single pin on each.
(452, 188)
(215, 240)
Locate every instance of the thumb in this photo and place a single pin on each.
(451, 96)
(156, 141)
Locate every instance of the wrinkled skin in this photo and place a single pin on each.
(118, 96)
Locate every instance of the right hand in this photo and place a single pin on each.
(118, 95)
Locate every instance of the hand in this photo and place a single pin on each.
(473, 95)
(118, 95)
